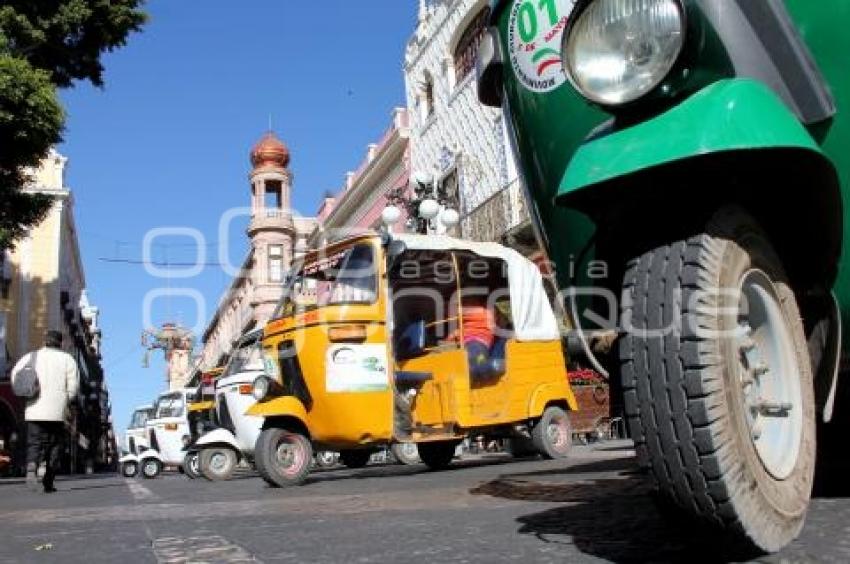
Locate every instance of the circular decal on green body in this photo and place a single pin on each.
(534, 36)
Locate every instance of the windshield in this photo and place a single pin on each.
(140, 416)
(170, 406)
(345, 277)
(247, 357)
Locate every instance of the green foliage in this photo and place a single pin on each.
(45, 44)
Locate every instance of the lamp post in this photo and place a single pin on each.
(424, 201)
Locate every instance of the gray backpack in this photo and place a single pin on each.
(25, 382)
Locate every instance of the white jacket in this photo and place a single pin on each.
(58, 380)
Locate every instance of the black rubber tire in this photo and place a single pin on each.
(231, 459)
(522, 447)
(146, 468)
(355, 458)
(130, 469)
(437, 455)
(541, 439)
(682, 389)
(191, 468)
(265, 458)
(402, 457)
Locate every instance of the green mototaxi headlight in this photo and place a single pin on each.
(619, 50)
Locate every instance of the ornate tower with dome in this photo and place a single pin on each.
(272, 229)
(277, 236)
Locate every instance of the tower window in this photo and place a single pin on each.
(274, 196)
(466, 51)
(275, 263)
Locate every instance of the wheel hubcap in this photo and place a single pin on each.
(289, 457)
(150, 468)
(556, 432)
(218, 462)
(769, 379)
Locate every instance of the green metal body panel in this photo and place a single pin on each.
(566, 145)
(823, 25)
(729, 115)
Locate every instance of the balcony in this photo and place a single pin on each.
(271, 219)
(498, 215)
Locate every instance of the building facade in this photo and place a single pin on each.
(453, 137)
(360, 202)
(42, 287)
(276, 238)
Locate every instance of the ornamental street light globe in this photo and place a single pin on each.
(449, 217)
(429, 209)
(423, 179)
(391, 215)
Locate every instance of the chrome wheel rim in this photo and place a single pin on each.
(409, 450)
(219, 462)
(556, 432)
(289, 456)
(150, 468)
(769, 376)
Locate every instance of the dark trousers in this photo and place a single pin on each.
(44, 443)
(479, 359)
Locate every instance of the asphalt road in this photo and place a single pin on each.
(592, 508)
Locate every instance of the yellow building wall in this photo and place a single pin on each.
(34, 291)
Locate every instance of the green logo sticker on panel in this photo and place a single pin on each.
(534, 35)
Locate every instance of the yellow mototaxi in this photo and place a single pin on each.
(367, 348)
(201, 414)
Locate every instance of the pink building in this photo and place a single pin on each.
(359, 204)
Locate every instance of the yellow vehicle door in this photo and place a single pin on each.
(332, 349)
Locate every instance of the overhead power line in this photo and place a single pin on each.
(159, 264)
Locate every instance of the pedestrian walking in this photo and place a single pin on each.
(49, 379)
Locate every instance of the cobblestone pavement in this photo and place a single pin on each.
(592, 508)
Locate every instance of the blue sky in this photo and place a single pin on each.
(166, 143)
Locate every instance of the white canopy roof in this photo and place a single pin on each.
(532, 313)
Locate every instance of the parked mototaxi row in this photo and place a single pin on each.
(401, 344)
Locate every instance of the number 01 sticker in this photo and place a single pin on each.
(534, 35)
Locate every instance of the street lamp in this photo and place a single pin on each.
(428, 209)
(390, 215)
(423, 201)
(450, 217)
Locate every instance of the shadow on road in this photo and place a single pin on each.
(614, 518)
(398, 470)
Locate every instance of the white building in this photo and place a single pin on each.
(452, 135)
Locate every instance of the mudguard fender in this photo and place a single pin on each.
(217, 437)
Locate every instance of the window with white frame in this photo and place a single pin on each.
(275, 263)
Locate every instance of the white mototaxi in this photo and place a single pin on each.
(167, 432)
(221, 450)
(135, 441)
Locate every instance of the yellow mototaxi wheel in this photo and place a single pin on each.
(283, 457)
(355, 458)
(437, 455)
(552, 435)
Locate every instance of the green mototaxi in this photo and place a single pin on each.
(691, 158)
